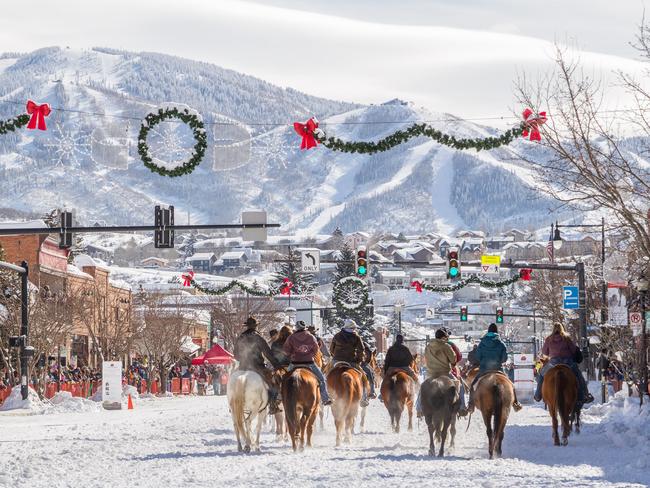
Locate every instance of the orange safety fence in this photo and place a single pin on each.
(186, 386)
(176, 385)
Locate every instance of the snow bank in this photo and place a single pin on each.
(626, 426)
(14, 401)
(64, 402)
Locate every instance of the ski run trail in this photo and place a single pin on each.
(189, 442)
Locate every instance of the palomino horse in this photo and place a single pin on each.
(248, 399)
(440, 399)
(560, 393)
(494, 396)
(300, 398)
(398, 391)
(345, 385)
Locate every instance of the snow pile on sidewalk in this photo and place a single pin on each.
(15, 401)
(64, 402)
(626, 426)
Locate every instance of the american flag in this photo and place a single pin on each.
(549, 249)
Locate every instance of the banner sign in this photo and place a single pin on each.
(112, 384)
(617, 304)
(490, 264)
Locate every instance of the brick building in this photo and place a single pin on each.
(100, 310)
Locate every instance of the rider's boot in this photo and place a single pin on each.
(274, 403)
(515, 404)
(538, 390)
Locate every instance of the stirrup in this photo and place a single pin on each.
(364, 403)
(327, 402)
(517, 406)
(463, 412)
(588, 398)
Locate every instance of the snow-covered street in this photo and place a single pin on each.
(189, 441)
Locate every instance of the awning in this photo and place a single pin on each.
(216, 355)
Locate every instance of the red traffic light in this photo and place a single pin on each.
(361, 253)
(453, 255)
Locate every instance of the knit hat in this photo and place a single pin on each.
(399, 339)
(300, 325)
(251, 323)
(493, 328)
(349, 324)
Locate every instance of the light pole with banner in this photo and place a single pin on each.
(642, 285)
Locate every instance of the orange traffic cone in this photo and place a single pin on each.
(130, 403)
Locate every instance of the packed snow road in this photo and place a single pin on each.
(189, 441)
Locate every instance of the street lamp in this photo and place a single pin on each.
(642, 285)
(557, 239)
(398, 309)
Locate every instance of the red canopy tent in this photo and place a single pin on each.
(215, 355)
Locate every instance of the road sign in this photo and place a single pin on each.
(570, 297)
(310, 260)
(490, 264)
(255, 233)
(635, 323)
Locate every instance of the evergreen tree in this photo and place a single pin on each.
(345, 266)
(303, 283)
(188, 246)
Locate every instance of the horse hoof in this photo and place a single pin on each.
(565, 441)
(247, 449)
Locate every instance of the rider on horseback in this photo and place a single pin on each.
(301, 347)
(399, 358)
(250, 350)
(440, 359)
(347, 347)
(321, 345)
(491, 354)
(560, 349)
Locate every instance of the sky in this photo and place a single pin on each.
(459, 56)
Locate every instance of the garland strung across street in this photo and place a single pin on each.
(285, 289)
(186, 115)
(311, 135)
(524, 275)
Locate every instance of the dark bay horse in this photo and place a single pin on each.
(440, 399)
(398, 391)
(494, 396)
(345, 385)
(560, 393)
(301, 400)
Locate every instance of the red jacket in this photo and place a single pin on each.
(301, 347)
(556, 346)
(459, 358)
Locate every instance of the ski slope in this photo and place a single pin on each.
(188, 441)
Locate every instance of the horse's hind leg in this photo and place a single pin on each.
(303, 428)
(362, 423)
(432, 447)
(566, 428)
(398, 418)
(409, 409)
(443, 435)
(260, 422)
(556, 436)
(310, 426)
(452, 431)
(487, 419)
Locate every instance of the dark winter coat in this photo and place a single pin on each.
(557, 346)
(280, 356)
(472, 359)
(251, 350)
(347, 346)
(397, 356)
(367, 351)
(491, 353)
(301, 347)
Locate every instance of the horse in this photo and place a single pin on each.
(279, 423)
(345, 385)
(560, 394)
(494, 396)
(398, 391)
(248, 399)
(322, 362)
(441, 401)
(301, 399)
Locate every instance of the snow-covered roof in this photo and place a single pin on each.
(232, 255)
(72, 269)
(392, 273)
(83, 260)
(155, 258)
(201, 256)
(24, 224)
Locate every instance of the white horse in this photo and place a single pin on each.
(248, 399)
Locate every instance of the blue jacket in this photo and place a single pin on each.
(491, 353)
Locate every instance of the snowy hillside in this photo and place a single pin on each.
(419, 186)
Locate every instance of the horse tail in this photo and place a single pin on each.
(290, 400)
(497, 392)
(237, 403)
(559, 397)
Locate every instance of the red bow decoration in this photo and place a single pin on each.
(286, 288)
(38, 113)
(187, 278)
(417, 285)
(532, 123)
(524, 274)
(307, 131)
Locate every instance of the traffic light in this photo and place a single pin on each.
(164, 222)
(463, 313)
(65, 222)
(453, 263)
(361, 262)
(499, 315)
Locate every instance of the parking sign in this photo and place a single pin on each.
(570, 297)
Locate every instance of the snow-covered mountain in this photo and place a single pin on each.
(88, 161)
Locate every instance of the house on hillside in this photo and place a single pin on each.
(202, 261)
(496, 243)
(99, 252)
(525, 251)
(464, 234)
(518, 235)
(154, 262)
(234, 259)
(393, 278)
(472, 247)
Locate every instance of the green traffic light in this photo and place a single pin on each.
(453, 272)
(361, 270)
(499, 320)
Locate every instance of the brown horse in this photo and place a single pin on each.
(440, 399)
(300, 398)
(345, 385)
(398, 391)
(494, 396)
(560, 393)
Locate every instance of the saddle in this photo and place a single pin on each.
(480, 378)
